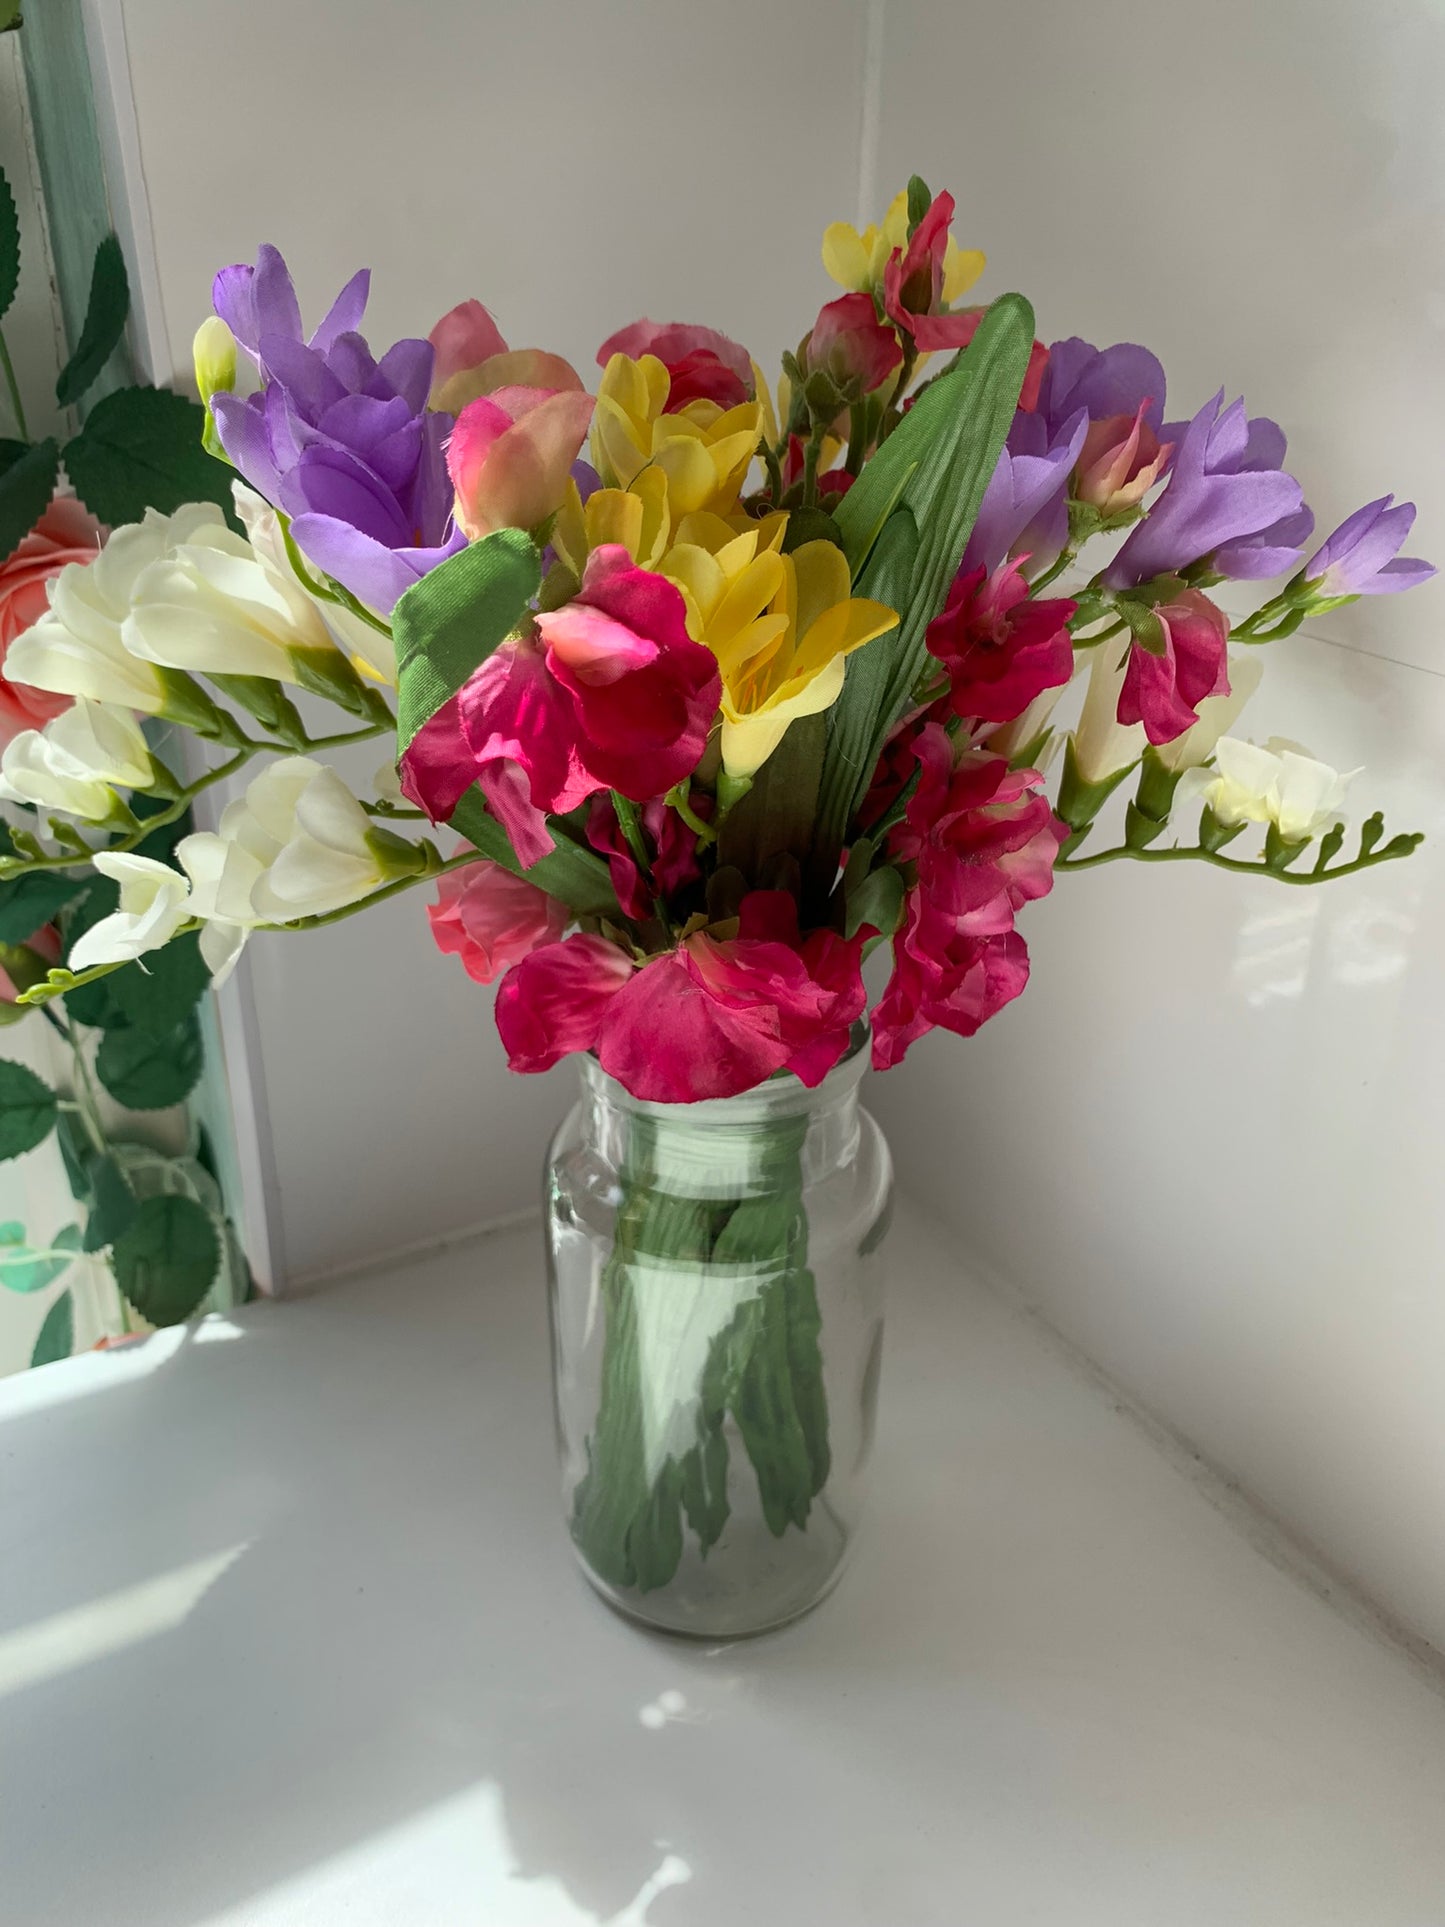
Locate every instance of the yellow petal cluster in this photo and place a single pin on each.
(637, 517)
(781, 626)
(856, 261)
(704, 450)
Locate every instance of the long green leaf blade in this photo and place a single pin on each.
(947, 446)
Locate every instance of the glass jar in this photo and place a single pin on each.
(717, 1324)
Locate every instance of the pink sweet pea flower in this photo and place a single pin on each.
(702, 364)
(983, 838)
(852, 344)
(554, 1001)
(609, 692)
(944, 977)
(1121, 460)
(1164, 691)
(674, 863)
(1001, 649)
(465, 337)
(710, 1019)
(491, 919)
(511, 454)
(645, 693)
(471, 359)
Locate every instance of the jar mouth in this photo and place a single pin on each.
(782, 1095)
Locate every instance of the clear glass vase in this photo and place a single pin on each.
(717, 1323)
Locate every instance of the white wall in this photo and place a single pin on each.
(1206, 1141)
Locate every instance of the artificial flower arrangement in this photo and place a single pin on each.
(717, 689)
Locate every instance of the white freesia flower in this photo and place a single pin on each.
(1279, 784)
(76, 648)
(372, 648)
(153, 906)
(214, 605)
(1217, 716)
(1102, 744)
(77, 761)
(297, 844)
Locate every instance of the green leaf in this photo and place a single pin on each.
(878, 902)
(156, 991)
(25, 491)
(92, 1003)
(22, 1269)
(27, 1109)
(141, 448)
(147, 1070)
(28, 902)
(104, 325)
(810, 525)
(575, 876)
(919, 200)
(947, 446)
(10, 453)
(56, 1338)
(9, 243)
(77, 1153)
(452, 620)
(114, 1207)
(166, 1260)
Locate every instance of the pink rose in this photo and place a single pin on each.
(712, 1018)
(1001, 649)
(491, 919)
(1164, 690)
(702, 364)
(65, 533)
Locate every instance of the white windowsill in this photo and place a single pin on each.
(289, 1633)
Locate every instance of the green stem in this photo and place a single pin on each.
(1052, 573)
(1193, 854)
(17, 407)
(704, 832)
(73, 861)
(811, 452)
(893, 413)
(775, 473)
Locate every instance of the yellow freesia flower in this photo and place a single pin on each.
(780, 626)
(637, 517)
(704, 450)
(856, 261)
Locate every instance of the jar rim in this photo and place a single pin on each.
(782, 1095)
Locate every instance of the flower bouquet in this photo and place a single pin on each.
(716, 689)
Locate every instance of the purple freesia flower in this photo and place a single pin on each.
(1104, 381)
(341, 442)
(1226, 485)
(1025, 506)
(1362, 556)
